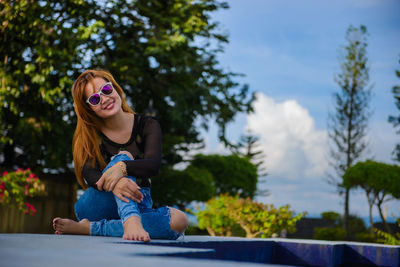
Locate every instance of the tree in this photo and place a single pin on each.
(380, 181)
(396, 120)
(231, 174)
(166, 52)
(180, 187)
(40, 49)
(348, 124)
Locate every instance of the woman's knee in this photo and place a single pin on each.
(179, 221)
(95, 205)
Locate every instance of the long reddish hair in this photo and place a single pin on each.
(86, 141)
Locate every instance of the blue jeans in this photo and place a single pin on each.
(107, 213)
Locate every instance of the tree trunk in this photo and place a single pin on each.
(371, 223)
(210, 231)
(371, 200)
(346, 211)
(382, 217)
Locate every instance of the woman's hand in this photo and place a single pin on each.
(111, 177)
(126, 188)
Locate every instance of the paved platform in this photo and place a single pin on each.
(193, 251)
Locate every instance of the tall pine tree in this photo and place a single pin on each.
(348, 123)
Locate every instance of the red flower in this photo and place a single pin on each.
(29, 209)
(5, 173)
(26, 190)
(2, 186)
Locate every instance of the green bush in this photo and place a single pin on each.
(388, 239)
(18, 186)
(328, 233)
(194, 230)
(356, 224)
(366, 237)
(332, 216)
(227, 215)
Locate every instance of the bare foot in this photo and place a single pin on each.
(133, 230)
(67, 226)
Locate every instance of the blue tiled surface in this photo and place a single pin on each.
(294, 252)
(193, 251)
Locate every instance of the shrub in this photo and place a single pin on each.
(16, 187)
(332, 216)
(215, 218)
(366, 237)
(328, 233)
(224, 214)
(387, 238)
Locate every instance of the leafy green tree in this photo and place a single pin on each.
(40, 50)
(176, 187)
(348, 124)
(166, 52)
(393, 119)
(231, 174)
(380, 182)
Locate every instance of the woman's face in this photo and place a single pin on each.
(109, 105)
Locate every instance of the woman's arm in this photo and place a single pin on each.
(91, 174)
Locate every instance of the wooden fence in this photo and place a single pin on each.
(59, 202)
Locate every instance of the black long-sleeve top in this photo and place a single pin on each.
(144, 145)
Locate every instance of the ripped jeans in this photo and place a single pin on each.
(107, 213)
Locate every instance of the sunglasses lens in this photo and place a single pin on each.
(94, 99)
(107, 89)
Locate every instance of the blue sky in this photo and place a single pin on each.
(288, 51)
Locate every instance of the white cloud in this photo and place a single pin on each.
(293, 146)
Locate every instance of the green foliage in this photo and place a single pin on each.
(166, 51)
(328, 233)
(16, 187)
(194, 230)
(225, 213)
(331, 215)
(175, 187)
(387, 238)
(357, 229)
(395, 120)
(366, 237)
(215, 216)
(232, 174)
(40, 51)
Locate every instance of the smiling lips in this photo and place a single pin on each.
(109, 105)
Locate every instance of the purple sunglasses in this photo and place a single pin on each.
(95, 98)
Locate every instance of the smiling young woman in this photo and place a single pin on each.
(115, 167)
